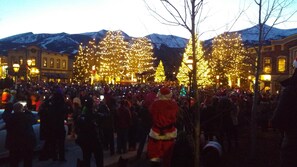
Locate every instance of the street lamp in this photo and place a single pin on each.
(16, 68)
(28, 71)
(29, 62)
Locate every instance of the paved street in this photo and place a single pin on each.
(72, 153)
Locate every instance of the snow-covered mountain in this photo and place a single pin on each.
(168, 40)
(250, 35)
(68, 43)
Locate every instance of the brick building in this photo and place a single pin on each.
(39, 64)
(276, 63)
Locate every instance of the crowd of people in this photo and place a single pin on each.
(98, 116)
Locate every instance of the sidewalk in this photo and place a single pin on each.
(72, 152)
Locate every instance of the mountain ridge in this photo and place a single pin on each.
(68, 43)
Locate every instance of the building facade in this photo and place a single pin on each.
(36, 64)
(276, 63)
(3, 66)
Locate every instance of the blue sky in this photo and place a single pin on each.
(131, 16)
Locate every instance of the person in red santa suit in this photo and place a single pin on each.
(163, 132)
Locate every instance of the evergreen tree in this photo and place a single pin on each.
(81, 66)
(91, 57)
(160, 73)
(113, 56)
(140, 58)
(228, 59)
(183, 91)
(183, 76)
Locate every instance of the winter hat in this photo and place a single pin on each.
(5, 96)
(164, 93)
(77, 100)
(215, 145)
(18, 107)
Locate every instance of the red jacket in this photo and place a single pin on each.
(163, 113)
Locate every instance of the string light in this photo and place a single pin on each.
(160, 73)
(113, 58)
(203, 78)
(229, 59)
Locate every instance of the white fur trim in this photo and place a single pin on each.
(295, 63)
(164, 97)
(166, 136)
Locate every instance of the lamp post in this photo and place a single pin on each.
(29, 63)
(16, 68)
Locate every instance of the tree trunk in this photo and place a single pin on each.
(256, 89)
(195, 91)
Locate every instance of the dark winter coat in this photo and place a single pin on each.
(88, 130)
(225, 108)
(44, 121)
(285, 118)
(52, 118)
(123, 118)
(19, 130)
(107, 117)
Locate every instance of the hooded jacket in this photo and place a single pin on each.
(285, 116)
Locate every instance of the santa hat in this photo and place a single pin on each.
(295, 63)
(164, 93)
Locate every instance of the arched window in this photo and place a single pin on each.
(64, 64)
(33, 61)
(58, 63)
(44, 62)
(52, 63)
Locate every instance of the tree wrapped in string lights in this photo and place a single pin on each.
(185, 70)
(113, 57)
(140, 58)
(228, 59)
(81, 66)
(160, 73)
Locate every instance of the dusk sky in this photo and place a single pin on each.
(130, 16)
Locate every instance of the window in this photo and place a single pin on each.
(58, 63)
(21, 60)
(33, 61)
(281, 64)
(44, 62)
(64, 64)
(52, 63)
(12, 60)
(267, 65)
